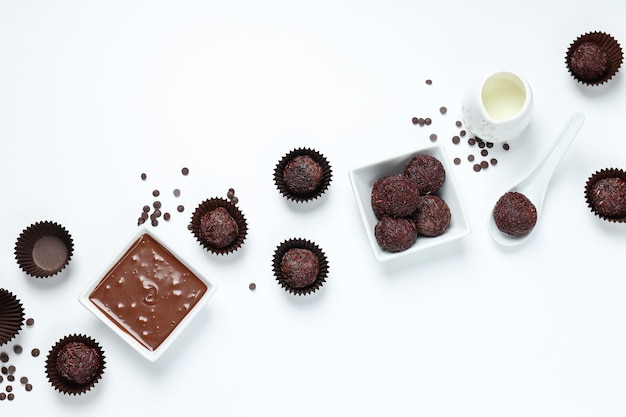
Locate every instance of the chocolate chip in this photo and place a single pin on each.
(154, 222)
(481, 144)
(230, 193)
(190, 226)
(462, 133)
(30, 322)
(421, 121)
(143, 176)
(4, 370)
(470, 157)
(476, 167)
(1, 378)
(3, 396)
(166, 216)
(458, 123)
(505, 146)
(429, 82)
(428, 121)
(185, 171)
(144, 216)
(457, 161)
(156, 204)
(11, 369)
(17, 349)
(35, 352)
(234, 200)
(252, 286)
(28, 387)
(443, 110)
(415, 120)
(180, 208)
(140, 221)
(494, 161)
(146, 208)
(9, 388)
(11, 378)
(490, 145)
(471, 141)
(156, 193)
(433, 137)
(484, 164)
(484, 152)
(11, 397)
(177, 193)
(456, 140)
(23, 380)
(4, 357)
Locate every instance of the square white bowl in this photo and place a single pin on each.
(109, 318)
(363, 179)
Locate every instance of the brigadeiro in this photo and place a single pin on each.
(11, 316)
(594, 58)
(75, 364)
(219, 226)
(515, 214)
(300, 266)
(605, 192)
(427, 171)
(394, 195)
(432, 216)
(302, 175)
(395, 234)
(44, 249)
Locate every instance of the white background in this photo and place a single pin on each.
(93, 93)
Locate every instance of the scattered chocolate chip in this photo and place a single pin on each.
(146, 208)
(494, 161)
(3, 396)
(462, 133)
(1, 378)
(415, 120)
(458, 123)
(156, 193)
(252, 286)
(471, 141)
(180, 208)
(28, 387)
(4, 357)
(234, 200)
(490, 145)
(189, 226)
(143, 176)
(4, 370)
(484, 152)
(443, 110)
(11, 378)
(457, 161)
(17, 349)
(230, 193)
(481, 144)
(144, 216)
(11, 397)
(505, 146)
(185, 171)
(456, 140)
(154, 222)
(428, 121)
(421, 121)
(176, 192)
(476, 167)
(484, 164)
(470, 157)
(11, 369)
(8, 388)
(156, 204)
(429, 82)
(35, 352)
(23, 380)
(30, 321)
(140, 221)
(166, 216)
(433, 137)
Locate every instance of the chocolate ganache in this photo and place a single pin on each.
(148, 292)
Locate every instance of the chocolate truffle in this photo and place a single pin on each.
(515, 214)
(588, 62)
(394, 195)
(78, 362)
(218, 227)
(608, 197)
(427, 171)
(299, 267)
(75, 364)
(395, 234)
(432, 216)
(302, 175)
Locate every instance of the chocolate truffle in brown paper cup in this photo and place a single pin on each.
(11, 316)
(605, 192)
(300, 266)
(44, 249)
(302, 175)
(594, 58)
(219, 226)
(75, 364)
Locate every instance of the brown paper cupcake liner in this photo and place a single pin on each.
(282, 249)
(609, 45)
(44, 249)
(209, 205)
(302, 197)
(590, 198)
(11, 316)
(64, 385)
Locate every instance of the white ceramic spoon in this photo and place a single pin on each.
(535, 184)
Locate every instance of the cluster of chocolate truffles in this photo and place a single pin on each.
(407, 205)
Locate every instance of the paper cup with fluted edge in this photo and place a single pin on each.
(208, 206)
(312, 248)
(608, 45)
(44, 249)
(605, 194)
(11, 316)
(314, 177)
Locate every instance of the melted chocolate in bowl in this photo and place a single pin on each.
(148, 292)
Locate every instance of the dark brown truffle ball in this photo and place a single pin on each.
(302, 175)
(78, 362)
(299, 267)
(515, 214)
(395, 234)
(608, 197)
(427, 171)
(394, 195)
(588, 62)
(432, 216)
(218, 227)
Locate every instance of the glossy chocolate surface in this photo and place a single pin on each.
(148, 292)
